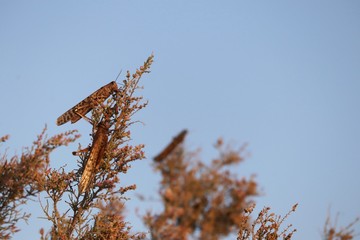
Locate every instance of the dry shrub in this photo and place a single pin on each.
(267, 225)
(331, 231)
(199, 201)
(22, 177)
(95, 211)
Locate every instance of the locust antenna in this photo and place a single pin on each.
(118, 75)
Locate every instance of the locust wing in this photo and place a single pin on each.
(82, 108)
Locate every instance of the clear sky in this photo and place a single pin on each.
(282, 76)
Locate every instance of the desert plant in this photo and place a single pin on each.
(95, 209)
(332, 232)
(201, 201)
(23, 177)
(266, 226)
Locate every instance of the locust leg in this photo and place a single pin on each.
(77, 153)
(84, 117)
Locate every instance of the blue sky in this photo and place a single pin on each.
(282, 76)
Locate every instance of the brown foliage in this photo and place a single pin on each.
(109, 223)
(95, 211)
(96, 208)
(202, 200)
(331, 231)
(22, 177)
(266, 226)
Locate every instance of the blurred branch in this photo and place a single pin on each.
(344, 233)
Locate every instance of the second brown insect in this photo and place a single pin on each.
(97, 153)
